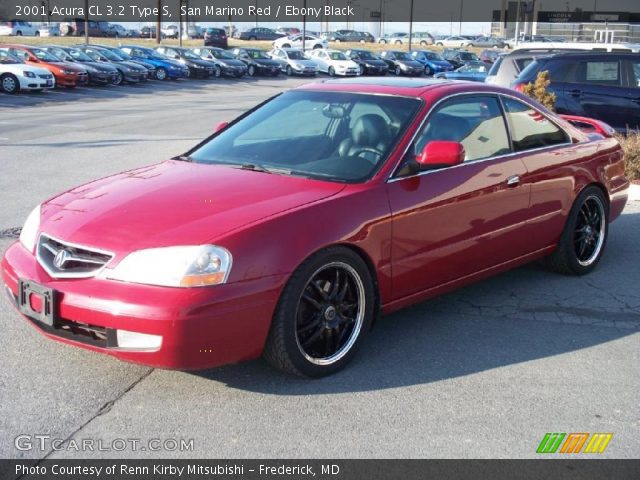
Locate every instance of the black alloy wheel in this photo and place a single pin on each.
(324, 311)
(585, 234)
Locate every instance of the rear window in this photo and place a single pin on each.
(522, 63)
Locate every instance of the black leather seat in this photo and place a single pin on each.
(370, 131)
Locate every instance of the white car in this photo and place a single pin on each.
(334, 62)
(453, 42)
(294, 61)
(18, 28)
(295, 41)
(393, 39)
(16, 75)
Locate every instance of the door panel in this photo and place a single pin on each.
(453, 222)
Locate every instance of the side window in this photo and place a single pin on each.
(531, 129)
(475, 122)
(634, 67)
(599, 72)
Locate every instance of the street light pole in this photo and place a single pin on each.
(86, 22)
(410, 25)
(460, 19)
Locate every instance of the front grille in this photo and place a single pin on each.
(46, 76)
(66, 260)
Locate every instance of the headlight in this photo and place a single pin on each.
(29, 74)
(404, 66)
(182, 61)
(69, 72)
(29, 232)
(183, 266)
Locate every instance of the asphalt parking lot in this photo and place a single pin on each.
(482, 372)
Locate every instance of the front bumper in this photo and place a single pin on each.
(200, 327)
(133, 77)
(178, 73)
(41, 82)
(72, 79)
(102, 78)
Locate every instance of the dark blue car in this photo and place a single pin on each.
(604, 86)
(432, 61)
(166, 68)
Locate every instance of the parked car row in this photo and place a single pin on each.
(96, 64)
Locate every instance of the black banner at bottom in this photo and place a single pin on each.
(583, 469)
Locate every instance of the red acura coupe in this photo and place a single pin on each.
(290, 229)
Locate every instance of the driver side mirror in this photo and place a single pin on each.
(221, 126)
(441, 154)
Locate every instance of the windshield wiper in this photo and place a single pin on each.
(183, 158)
(254, 167)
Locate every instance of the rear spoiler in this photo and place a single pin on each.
(590, 125)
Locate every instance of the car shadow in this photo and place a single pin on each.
(519, 316)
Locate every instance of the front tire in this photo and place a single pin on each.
(9, 83)
(251, 71)
(289, 70)
(325, 310)
(398, 71)
(332, 72)
(584, 236)
(161, 73)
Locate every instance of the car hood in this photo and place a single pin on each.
(267, 62)
(101, 66)
(375, 63)
(305, 63)
(440, 63)
(173, 203)
(231, 62)
(68, 66)
(132, 65)
(344, 63)
(19, 68)
(410, 63)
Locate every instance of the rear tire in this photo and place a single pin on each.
(585, 235)
(9, 83)
(325, 310)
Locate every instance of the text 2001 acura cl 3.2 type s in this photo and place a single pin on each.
(287, 231)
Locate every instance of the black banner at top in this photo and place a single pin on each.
(284, 11)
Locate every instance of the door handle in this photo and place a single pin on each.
(575, 93)
(513, 180)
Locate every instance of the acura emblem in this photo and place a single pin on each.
(61, 258)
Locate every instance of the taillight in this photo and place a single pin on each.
(519, 87)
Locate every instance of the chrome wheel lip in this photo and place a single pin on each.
(358, 323)
(601, 232)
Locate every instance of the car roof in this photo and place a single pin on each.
(408, 87)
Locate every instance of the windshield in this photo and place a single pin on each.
(189, 54)
(7, 58)
(296, 55)
(221, 54)
(468, 56)
(257, 54)
(58, 52)
(95, 55)
(433, 56)
(45, 56)
(337, 56)
(120, 54)
(79, 55)
(110, 55)
(402, 56)
(344, 136)
(365, 55)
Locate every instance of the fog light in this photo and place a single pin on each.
(138, 341)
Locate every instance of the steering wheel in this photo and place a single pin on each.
(375, 151)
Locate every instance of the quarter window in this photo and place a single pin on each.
(531, 129)
(476, 122)
(599, 72)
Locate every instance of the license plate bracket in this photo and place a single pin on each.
(47, 313)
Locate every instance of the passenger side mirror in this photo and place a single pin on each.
(441, 154)
(221, 126)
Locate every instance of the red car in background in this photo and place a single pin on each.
(67, 74)
(290, 229)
